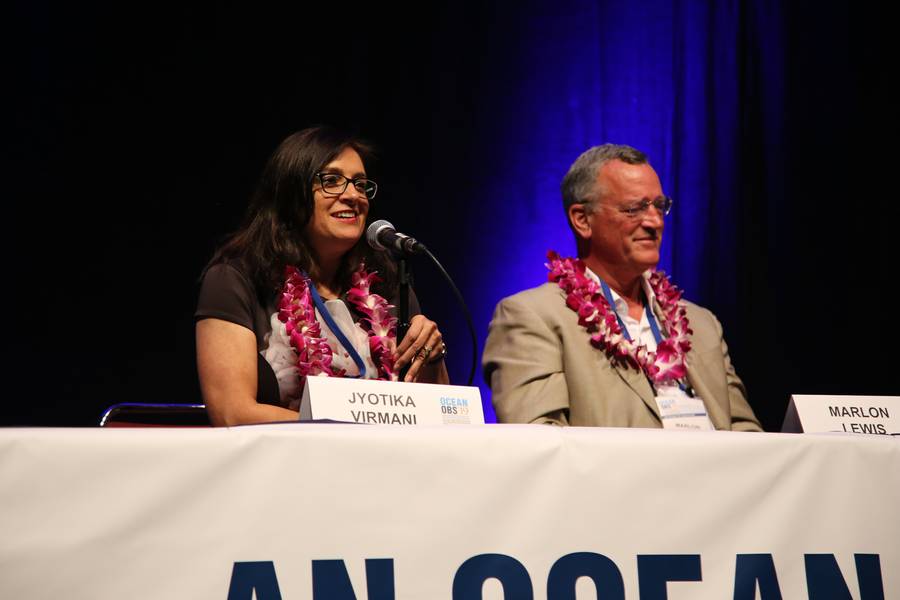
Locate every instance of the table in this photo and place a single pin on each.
(299, 511)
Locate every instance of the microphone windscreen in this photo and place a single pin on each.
(374, 229)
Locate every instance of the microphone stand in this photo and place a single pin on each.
(402, 304)
(410, 246)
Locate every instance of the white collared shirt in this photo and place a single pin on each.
(639, 331)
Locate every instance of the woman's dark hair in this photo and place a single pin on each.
(273, 234)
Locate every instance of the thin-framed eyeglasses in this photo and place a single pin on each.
(637, 210)
(335, 184)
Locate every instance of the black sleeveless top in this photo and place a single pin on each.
(227, 293)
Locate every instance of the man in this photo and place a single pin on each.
(607, 342)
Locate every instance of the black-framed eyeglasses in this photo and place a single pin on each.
(335, 184)
(637, 210)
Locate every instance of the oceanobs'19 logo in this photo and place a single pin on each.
(455, 410)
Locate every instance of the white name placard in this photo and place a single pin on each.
(390, 402)
(876, 415)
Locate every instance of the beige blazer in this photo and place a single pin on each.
(542, 368)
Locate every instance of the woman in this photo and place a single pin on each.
(294, 293)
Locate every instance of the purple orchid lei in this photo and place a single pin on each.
(297, 311)
(584, 296)
(380, 325)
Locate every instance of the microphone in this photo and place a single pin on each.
(381, 235)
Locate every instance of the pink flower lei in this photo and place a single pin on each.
(584, 296)
(297, 311)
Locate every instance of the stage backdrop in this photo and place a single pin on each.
(138, 133)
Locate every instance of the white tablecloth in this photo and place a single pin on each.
(196, 513)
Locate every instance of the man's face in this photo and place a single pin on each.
(618, 241)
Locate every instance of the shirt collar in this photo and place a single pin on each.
(621, 305)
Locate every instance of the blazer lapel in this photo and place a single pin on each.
(696, 377)
(637, 381)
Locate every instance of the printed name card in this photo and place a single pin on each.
(876, 415)
(390, 402)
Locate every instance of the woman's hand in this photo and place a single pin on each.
(423, 340)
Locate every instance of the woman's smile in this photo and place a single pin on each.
(346, 215)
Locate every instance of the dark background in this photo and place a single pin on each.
(137, 132)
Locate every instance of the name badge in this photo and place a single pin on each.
(390, 402)
(680, 411)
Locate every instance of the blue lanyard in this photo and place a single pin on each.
(317, 300)
(654, 327)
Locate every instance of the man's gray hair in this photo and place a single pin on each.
(580, 183)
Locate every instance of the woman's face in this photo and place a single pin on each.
(338, 220)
